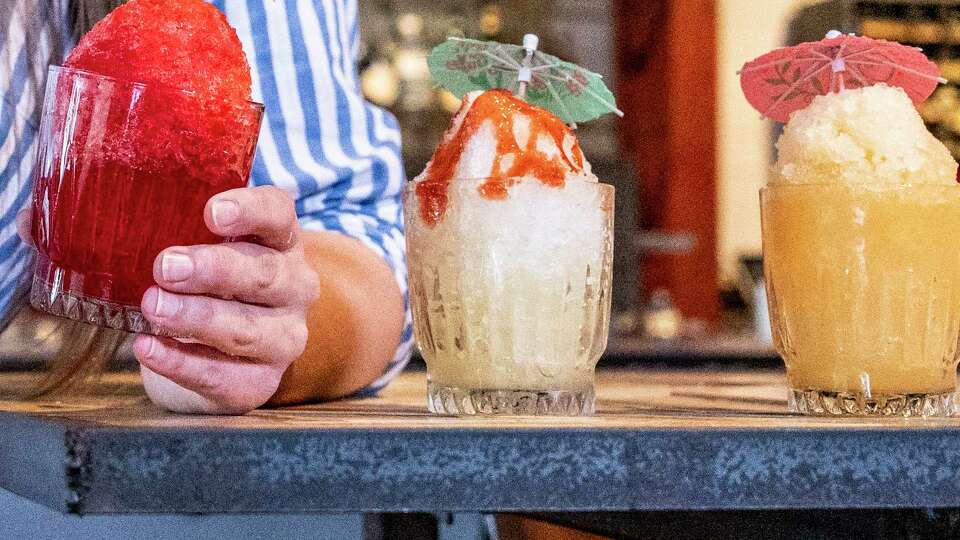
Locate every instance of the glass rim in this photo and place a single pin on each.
(136, 84)
(577, 179)
(859, 187)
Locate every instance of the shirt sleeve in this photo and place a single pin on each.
(40, 37)
(336, 154)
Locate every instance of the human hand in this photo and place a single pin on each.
(242, 304)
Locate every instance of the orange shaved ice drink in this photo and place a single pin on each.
(861, 257)
(509, 240)
(148, 118)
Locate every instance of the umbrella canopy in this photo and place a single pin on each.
(787, 79)
(572, 93)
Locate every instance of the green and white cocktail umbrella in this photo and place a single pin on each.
(567, 90)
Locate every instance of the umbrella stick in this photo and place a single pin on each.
(525, 75)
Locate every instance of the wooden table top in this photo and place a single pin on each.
(660, 440)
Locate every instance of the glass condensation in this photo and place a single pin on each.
(511, 298)
(864, 295)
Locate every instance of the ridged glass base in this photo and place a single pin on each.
(464, 402)
(46, 297)
(825, 403)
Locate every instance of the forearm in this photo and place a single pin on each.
(354, 325)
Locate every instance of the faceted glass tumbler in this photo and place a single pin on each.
(863, 287)
(511, 296)
(123, 171)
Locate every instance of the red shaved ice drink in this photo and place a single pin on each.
(148, 118)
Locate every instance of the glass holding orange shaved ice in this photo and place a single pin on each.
(862, 258)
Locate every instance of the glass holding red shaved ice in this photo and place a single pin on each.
(118, 180)
(128, 159)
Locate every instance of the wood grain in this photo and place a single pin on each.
(662, 440)
(627, 399)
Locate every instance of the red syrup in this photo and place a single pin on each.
(502, 108)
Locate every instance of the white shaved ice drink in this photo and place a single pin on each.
(509, 244)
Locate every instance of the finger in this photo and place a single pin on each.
(24, 219)
(266, 213)
(237, 385)
(238, 329)
(175, 398)
(237, 270)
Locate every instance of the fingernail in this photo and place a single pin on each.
(147, 350)
(167, 304)
(225, 212)
(176, 267)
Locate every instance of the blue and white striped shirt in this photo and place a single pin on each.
(336, 154)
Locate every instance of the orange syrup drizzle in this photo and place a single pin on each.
(500, 107)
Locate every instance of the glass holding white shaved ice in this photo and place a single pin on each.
(509, 250)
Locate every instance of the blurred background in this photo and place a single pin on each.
(690, 155)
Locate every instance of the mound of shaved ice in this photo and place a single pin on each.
(500, 138)
(871, 135)
(188, 82)
(182, 44)
(491, 135)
